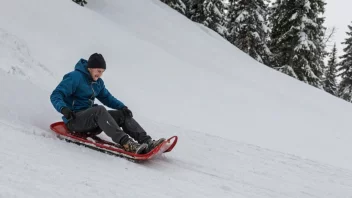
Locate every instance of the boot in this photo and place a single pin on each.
(153, 143)
(134, 147)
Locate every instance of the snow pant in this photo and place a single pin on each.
(97, 119)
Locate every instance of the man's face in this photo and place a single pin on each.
(96, 73)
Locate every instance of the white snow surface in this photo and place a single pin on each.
(245, 130)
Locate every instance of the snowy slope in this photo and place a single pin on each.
(245, 130)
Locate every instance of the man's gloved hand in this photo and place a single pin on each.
(68, 113)
(127, 112)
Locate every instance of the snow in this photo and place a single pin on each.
(256, 35)
(287, 69)
(306, 20)
(15, 59)
(66, 170)
(217, 11)
(265, 28)
(267, 50)
(181, 5)
(245, 130)
(307, 5)
(294, 16)
(304, 42)
(259, 16)
(242, 16)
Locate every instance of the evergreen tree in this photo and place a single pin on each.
(178, 5)
(330, 84)
(248, 28)
(209, 13)
(80, 2)
(297, 39)
(345, 88)
(215, 16)
(231, 22)
(196, 11)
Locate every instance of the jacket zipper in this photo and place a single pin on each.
(91, 85)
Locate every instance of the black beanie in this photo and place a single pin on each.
(96, 61)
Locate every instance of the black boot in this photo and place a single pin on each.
(134, 147)
(153, 143)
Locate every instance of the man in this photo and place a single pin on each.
(74, 98)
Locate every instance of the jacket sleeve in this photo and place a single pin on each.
(109, 100)
(65, 88)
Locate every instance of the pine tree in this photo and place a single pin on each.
(178, 5)
(80, 2)
(345, 88)
(297, 39)
(209, 13)
(215, 16)
(231, 22)
(330, 84)
(248, 28)
(196, 11)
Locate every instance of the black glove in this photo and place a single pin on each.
(127, 112)
(69, 115)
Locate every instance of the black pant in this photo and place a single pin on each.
(97, 119)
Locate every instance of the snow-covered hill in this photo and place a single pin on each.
(245, 130)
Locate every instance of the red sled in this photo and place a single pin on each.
(99, 144)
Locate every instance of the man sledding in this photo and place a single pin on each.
(74, 98)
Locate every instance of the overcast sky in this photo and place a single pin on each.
(338, 13)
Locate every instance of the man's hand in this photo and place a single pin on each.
(127, 112)
(68, 113)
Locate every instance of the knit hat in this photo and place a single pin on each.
(96, 61)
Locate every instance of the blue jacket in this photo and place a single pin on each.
(77, 91)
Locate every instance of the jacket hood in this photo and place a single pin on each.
(81, 66)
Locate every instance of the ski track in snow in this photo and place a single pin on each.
(16, 60)
(200, 166)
